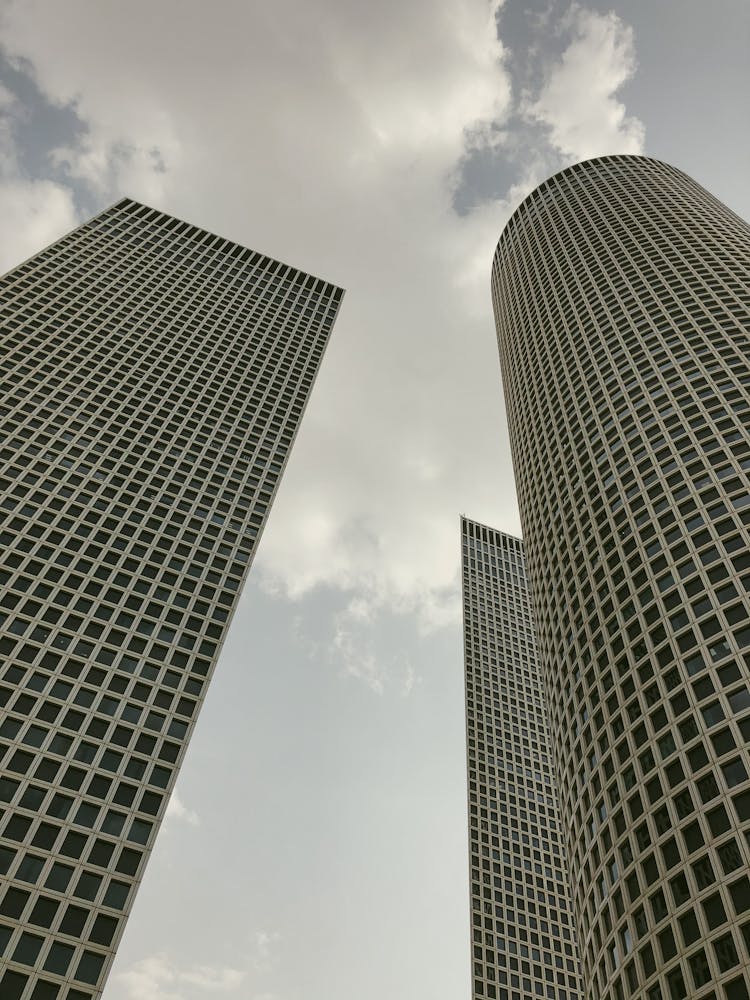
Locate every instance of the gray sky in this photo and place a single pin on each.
(316, 849)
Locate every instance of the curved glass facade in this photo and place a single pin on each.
(621, 294)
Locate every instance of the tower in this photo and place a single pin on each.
(522, 935)
(154, 376)
(620, 289)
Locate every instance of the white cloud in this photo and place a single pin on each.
(149, 979)
(352, 648)
(215, 980)
(177, 810)
(107, 163)
(578, 101)
(159, 978)
(410, 681)
(266, 943)
(355, 654)
(34, 214)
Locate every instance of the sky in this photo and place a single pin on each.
(315, 847)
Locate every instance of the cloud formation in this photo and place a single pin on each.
(34, 212)
(330, 136)
(177, 810)
(159, 978)
(578, 102)
(266, 943)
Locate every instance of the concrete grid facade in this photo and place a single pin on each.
(154, 376)
(621, 297)
(522, 930)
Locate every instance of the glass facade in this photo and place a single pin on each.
(153, 379)
(523, 941)
(621, 292)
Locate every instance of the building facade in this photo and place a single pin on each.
(621, 296)
(522, 929)
(153, 379)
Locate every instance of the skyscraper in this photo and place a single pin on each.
(522, 937)
(154, 376)
(621, 296)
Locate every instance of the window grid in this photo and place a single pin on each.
(621, 298)
(154, 376)
(523, 941)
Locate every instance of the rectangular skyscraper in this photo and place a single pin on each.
(523, 942)
(154, 376)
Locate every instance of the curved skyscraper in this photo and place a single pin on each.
(621, 297)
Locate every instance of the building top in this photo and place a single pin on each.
(551, 183)
(237, 253)
(233, 250)
(493, 535)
